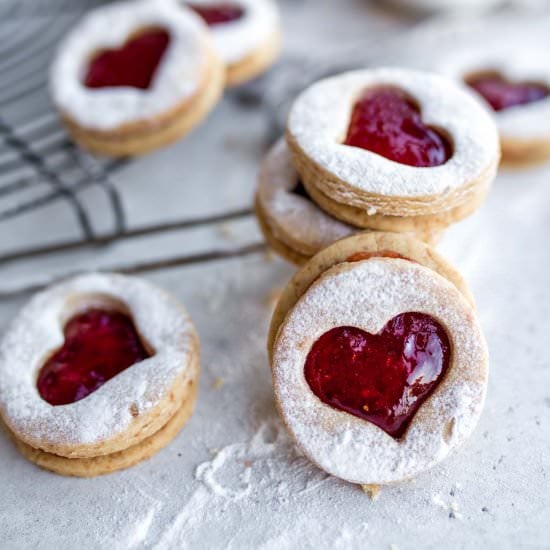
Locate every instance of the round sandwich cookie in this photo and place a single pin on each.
(97, 374)
(292, 223)
(393, 149)
(134, 76)
(246, 34)
(514, 82)
(379, 364)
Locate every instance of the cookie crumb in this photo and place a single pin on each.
(226, 231)
(269, 255)
(372, 490)
(134, 411)
(218, 383)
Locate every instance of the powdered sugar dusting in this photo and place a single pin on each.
(178, 77)
(237, 39)
(320, 117)
(38, 330)
(290, 214)
(349, 447)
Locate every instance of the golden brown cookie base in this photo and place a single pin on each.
(339, 253)
(146, 136)
(256, 63)
(340, 192)
(427, 227)
(91, 467)
(278, 246)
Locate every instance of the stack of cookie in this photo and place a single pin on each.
(376, 150)
(135, 76)
(98, 373)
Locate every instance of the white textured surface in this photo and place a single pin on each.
(177, 77)
(319, 120)
(232, 479)
(38, 331)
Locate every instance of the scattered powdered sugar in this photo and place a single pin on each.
(177, 78)
(235, 40)
(320, 116)
(289, 213)
(347, 446)
(38, 330)
(269, 461)
(526, 61)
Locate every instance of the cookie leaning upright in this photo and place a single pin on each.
(379, 364)
(134, 76)
(97, 374)
(393, 149)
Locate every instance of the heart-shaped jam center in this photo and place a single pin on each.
(98, 345)
(383, 378)
(502, 94)
(218, 14)
(388, 122)
(133, 65)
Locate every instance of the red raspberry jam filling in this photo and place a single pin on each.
(388, 122)
(502, 94)
(218, 14)
(98, 345)
(133, 65)
(383, 378)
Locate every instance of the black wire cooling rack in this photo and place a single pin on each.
(40, 166)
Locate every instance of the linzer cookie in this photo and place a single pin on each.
(379, 363)
(246, 34)
(292, 223)
(393, 149)
(514, 82)
(134, 76)
(97, 374)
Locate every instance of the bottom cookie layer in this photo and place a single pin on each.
(91, 467)
(425, 227)
(256, 63)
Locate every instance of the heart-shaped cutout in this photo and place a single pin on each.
(386, 121)
(98, 345)
(501, 93)
(383, 378)
(218, 14)
(133, 65)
